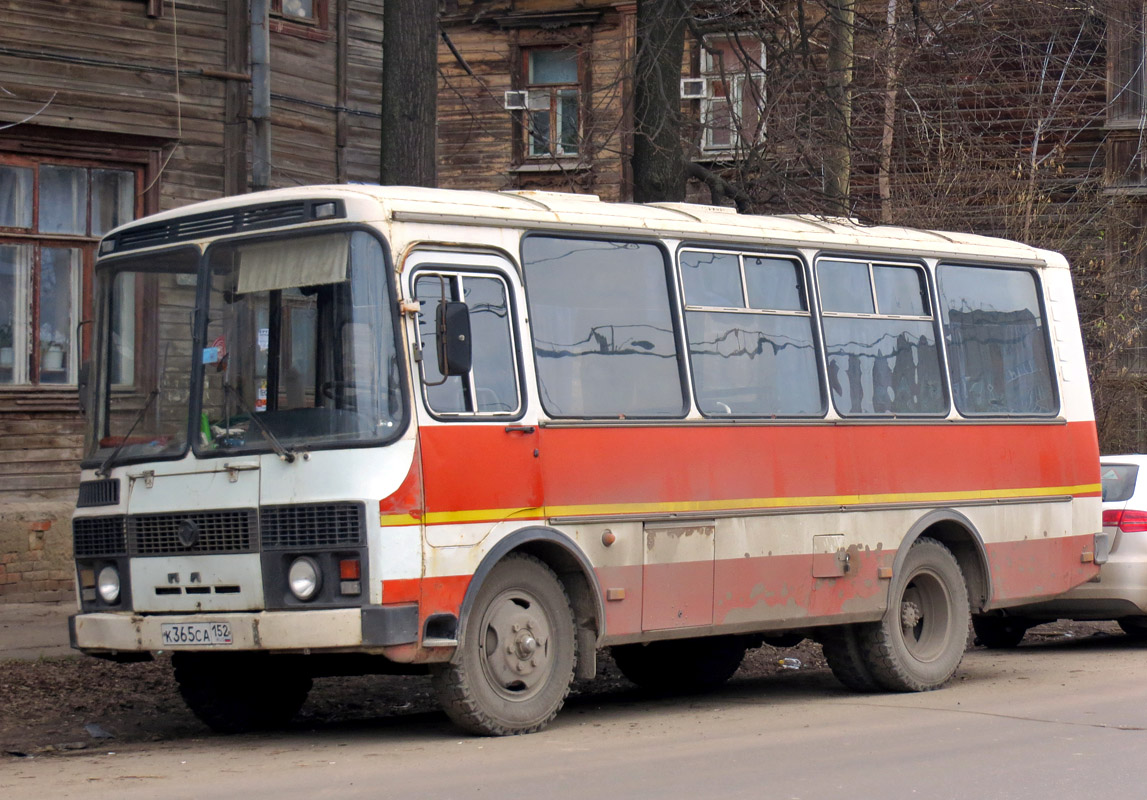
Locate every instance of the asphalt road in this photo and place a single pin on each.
(1059, 719)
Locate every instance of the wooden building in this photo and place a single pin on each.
(110, 109)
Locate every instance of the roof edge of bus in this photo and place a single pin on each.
(536, 208)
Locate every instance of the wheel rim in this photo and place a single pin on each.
(514, 642)
(925, 616)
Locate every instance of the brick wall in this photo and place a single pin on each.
(36, 552)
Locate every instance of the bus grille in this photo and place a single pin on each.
(230, 531)
(98, 493)
(311, 526)
(94, 537)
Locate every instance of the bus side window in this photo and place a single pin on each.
(997, 341)
(491, 384)
(602, 321)
(880, 339)
(750, 335)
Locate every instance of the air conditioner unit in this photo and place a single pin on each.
(693, 89)
(516, 100)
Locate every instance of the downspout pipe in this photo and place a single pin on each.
(260, 96)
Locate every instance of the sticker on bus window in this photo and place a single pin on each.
(210, 355)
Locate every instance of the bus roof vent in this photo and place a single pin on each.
(223, 222)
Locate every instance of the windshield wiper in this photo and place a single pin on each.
(103, 470)
(285, 453)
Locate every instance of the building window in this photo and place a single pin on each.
(295, 10)
(1128, 88)
(301, 18)
(553, 102)
(731, 91)
(52, 213)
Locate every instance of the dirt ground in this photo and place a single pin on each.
(78, 703)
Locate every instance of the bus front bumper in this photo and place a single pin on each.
(331, 630)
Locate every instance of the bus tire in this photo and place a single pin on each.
(517, 657)
(920, 641)
(680, 665)
(842, 650)
(240, 692)
(999, 633)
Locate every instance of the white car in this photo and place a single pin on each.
(1119, 592)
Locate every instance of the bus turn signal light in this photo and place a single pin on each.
(350, 575)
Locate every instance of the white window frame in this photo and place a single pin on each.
(547, 97)
(715, 74)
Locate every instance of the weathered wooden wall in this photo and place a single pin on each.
(170, 95)
(480, 141)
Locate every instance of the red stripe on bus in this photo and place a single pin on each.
(1039, 567)
(782, 589)
(624, 465)
(408, 590)
(482, 468)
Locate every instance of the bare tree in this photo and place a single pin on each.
(658, 158)
(841, 22)
(409, 93)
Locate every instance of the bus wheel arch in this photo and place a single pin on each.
(957, 533)
(560, 554)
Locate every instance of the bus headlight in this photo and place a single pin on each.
(304, 578)
(107, 584)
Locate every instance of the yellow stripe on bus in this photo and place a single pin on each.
(616, 509)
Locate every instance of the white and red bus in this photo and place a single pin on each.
(361, 429)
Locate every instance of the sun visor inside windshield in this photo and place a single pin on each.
(290, 263)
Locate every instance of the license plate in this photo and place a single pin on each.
(194, 634)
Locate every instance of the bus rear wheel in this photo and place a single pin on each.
(920, 641)
(516, 660)
(680, 665)
(240, 692)
(847, 660)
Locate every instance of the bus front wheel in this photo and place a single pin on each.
(517, 656)
(920, 642)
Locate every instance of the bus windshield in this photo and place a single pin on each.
(300, 346)
(141, 375)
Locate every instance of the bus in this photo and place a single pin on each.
(484, 435)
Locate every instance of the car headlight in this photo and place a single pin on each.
(304, 578)
(107, 584)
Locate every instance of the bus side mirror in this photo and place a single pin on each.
(83, 383)
(452, 320)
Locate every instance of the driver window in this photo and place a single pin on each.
(491, 385)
